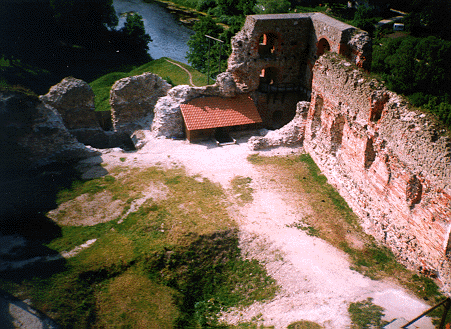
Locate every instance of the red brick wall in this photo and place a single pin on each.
(386, 161)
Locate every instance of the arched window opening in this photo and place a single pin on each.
(269, 76)
(267, 44)
(322, 46)
(268, 79)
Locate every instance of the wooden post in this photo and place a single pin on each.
(208, 71)
(220, 52)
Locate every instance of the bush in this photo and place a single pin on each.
(272, 6)
(418, 99)
(204, 5)
(364, 19)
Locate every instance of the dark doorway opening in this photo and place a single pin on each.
(222, 136)
(322, 47)
(277, 116)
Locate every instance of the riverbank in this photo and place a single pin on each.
(185, 15)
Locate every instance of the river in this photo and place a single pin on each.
(169, 37)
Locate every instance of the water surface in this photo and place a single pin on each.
(169, 36)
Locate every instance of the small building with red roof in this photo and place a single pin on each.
(203, 116)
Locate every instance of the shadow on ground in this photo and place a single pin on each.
(25, 198)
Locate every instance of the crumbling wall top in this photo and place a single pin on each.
(291, 43)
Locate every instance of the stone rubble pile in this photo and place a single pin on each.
(290, 134)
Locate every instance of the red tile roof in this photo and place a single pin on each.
(214, 112)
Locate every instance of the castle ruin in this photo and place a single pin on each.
(273, 56)
(391, 163)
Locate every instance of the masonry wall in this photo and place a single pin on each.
(273, 56)
(289, 56)
(391, 164)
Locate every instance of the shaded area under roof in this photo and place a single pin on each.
(214, 112)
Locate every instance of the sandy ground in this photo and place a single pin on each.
(315, 279)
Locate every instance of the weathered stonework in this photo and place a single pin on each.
(392, 164)
(289, 135)
(34, 144)
(74, 100)
(273, 55)
(168, 119)
(33, 134)
(133, 99)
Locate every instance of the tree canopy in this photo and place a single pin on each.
(410, 65)
(198, 45)
(84, 13)
(428, 17)
(134, 39)
(418, 68)
(271, 6)
(66, 37)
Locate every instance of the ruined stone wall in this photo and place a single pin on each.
(289, 55)
(392, 164)
(74, 100)
(275, 54)
(343, 39)
(290, 44)
(133, 99)
(33, 134)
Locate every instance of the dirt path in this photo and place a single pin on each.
(316, 281)
(189, 73)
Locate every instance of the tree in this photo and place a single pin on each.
(93, 14)
(364, 18)
(83, 22)
(413, 65)
(198, 45)
(236, 8)
(272, 6)
(430, 17)
(135, 38)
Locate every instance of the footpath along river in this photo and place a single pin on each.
(169, 37)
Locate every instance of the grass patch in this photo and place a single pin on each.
(365, 314)
(304, 325)
(171, 263)
(126, 301)
(373, 260)
(425, 287)
(102, 87)
(307, 229)
(177, 76)
(174, 74)
(84, 187)
(73, 236)
(241, 189)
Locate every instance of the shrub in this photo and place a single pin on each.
(204, 5)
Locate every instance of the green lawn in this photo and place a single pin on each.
(172, 262)
(168, 71)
